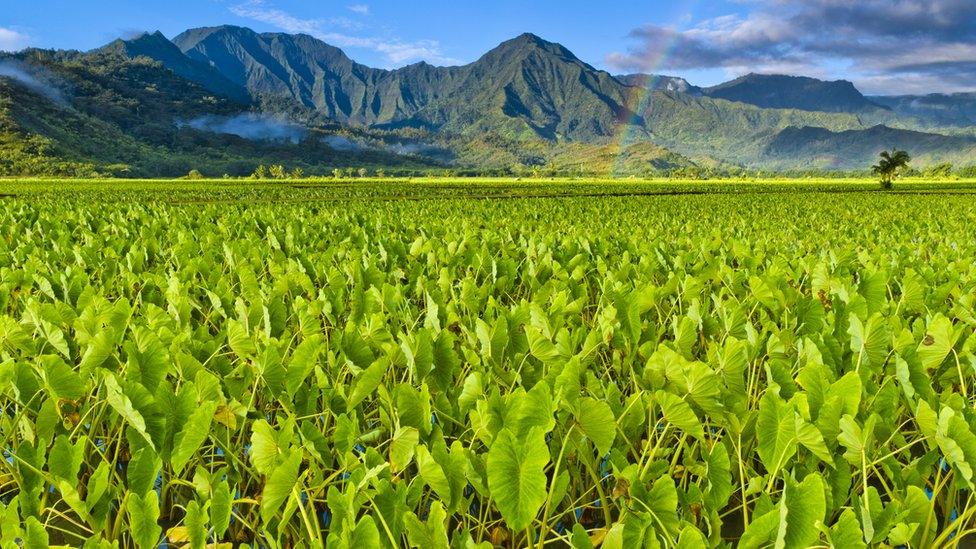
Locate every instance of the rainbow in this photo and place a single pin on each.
(631, 130)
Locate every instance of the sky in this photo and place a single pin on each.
(883, 46)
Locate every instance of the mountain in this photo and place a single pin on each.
(225, 99)
(657, 82)
(314, 74)
(102, 112)
(793, 92)
(855, 149)
(528, 87)
(524, 86)
(157, 47)
(954, 110)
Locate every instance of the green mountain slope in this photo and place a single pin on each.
(527, 87)
(315, 74)
(131, 115)
(859, 148)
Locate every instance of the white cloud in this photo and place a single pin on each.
(258, 11)
(885, 46)
(11, 40)
(397, 52)
(361, 9)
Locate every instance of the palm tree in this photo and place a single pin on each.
(890, 165)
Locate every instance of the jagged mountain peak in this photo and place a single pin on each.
(157, 47)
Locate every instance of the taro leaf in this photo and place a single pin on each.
(239, 339)
(413, 407)
(429, 534)
(471, 391)
(402, 448)
(540, 346)
(793, 523)
(958, 444)
(143, 519)
(279, 486)
(580, 538)
(567, 386)
(65, 459)
(937, 343)
(123, 406)
(365, 534)
(499, 339)
(719, 478)
(302, 361)
(61, 380)
(776, 431)
(811, 438)
(100, 347)
(857, 441)
(69, 493)
(926, 419)
(691, 538)
(195, 522)
(444, 471)
(533, 409)
(516, 475)
(869, 341)
(142, 470)
(662, 502)
(847, 532)
(685, 335)
(446, 361)
(220, 508)
(677, 412)
(194, 432)
(149, 361)
(901, 534)
(433, 473)
(915, 510)
(873, 288)
(265, 447)
(36, 535)
(805, 507)
(912, 292)
(598, 423)
(367, 382)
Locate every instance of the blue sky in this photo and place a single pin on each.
(894, 46)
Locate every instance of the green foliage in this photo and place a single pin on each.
(890, 165)
(356, 364)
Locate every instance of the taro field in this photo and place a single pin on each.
(487, 364)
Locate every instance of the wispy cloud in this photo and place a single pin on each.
(11, 40)
(361, 9)
(259, 11)
(34, 78)
(885, 46)
(397, 52)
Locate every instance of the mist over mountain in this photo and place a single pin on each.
(957, 109)
(659, 82)
(526, 103)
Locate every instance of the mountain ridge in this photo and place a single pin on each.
(526, 102)
(793, 92)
